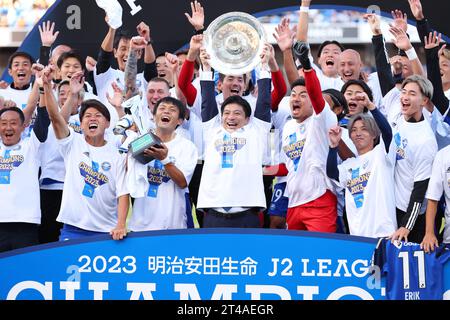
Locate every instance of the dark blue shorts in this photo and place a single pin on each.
(69, 232)
(279, 203)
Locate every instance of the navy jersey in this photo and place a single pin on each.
(411, 273)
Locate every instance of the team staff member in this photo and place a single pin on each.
(19, 167)
(415, 147)
(160, 187)
(95, 199)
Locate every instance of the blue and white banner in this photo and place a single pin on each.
(216, 264)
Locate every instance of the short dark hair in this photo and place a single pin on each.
(181, 52)
(121, 34)
(14, 109)
(63, 83)
(325, 43)
(360, 83)
(19, 54)
(160, 80)
(222, 76)
(240, 101)
(92, 103)
(70, 54)
(299, 82)
(177, 103)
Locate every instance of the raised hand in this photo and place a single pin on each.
(144, 31)
(301, 52)
(138, 43)
(397, 64)
(401, 40)
(196, 42)
(416, 9)
(36, 69)
(433, 40)
(48, 36)
(77, 82)
(364, 99)
(172, 62)
(400, 20)
(91, 63)
(117, 99)
(197, 20)
(46, 74)
(268, 57)
(335, 134)
(284, 35)
(205, 59)
(374, 23)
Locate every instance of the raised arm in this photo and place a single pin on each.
(279, 85)
(334, 134)
(383, 66)
(284, 36)
(380, 119)
(33, 98)
(59, 124)
(174, 65)
(150, 71)
(136, 44)
(76, 85)
(209, 103)
(311, 80)
(187, 70)
(303, 23)
(48, 38)
(432, 53)
(106, 53)
(402, 42)
(264, 101)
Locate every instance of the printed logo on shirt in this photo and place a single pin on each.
(106, 166)
(76, 126)
(156, 176)
(401, 145)
(7, 164)
(92, 178)
(294, 149)
(356, 186)
(228, 146)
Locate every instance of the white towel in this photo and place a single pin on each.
(113, 10)
(137, 183)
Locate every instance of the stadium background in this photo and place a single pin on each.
(327, 21)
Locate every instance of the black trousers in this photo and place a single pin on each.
(50, 205)
(194, 186)
(17, 235)
(244, 219)
(418, 232)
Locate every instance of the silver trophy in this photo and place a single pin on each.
(234, 42)
(136, 143)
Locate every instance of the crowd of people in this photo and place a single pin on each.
(344, 151)
(22, 13)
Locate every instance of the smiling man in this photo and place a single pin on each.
(95, 199)
(415, 146)
(19, 167)
(235, 145)
(19, 68)
(161, 198)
